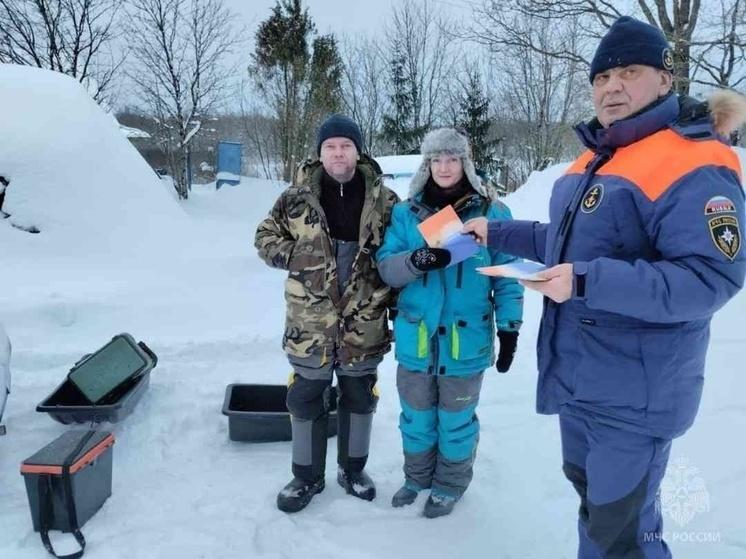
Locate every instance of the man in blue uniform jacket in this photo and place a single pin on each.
(642, 247)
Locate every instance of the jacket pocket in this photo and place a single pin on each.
(610, 371)
(307, 282)
(662, 359)
(411, 338)
(368, 329)
(472, 336)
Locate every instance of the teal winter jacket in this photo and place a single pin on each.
(446, 318)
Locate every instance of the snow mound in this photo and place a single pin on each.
(4, 369)
(73, 175)
(248, 202)
(531, 201)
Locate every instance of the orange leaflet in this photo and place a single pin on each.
(440, 227)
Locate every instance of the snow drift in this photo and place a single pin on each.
(72, 173)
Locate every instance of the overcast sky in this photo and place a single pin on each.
(336, 16)
(341, 17)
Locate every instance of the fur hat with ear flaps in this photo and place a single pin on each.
(447, 141)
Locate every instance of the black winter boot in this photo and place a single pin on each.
(405, 496)
(357, 484)
(298, 493)
(439, 505)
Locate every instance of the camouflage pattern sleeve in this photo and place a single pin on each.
(273, 239)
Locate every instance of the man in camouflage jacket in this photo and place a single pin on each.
(324, 231)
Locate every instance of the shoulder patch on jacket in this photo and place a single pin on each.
(726, 234)
(657, 162)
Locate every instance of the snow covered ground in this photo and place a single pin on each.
(116, 254)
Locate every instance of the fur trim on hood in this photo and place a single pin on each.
(449, 141)
(727, 111)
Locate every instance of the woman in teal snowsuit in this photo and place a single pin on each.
(444, 331)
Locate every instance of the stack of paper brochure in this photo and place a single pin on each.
(443, 230)
(526, 270)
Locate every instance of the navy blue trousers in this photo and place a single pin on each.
(617, 475)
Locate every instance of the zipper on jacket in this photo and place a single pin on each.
(574, 205)
(459, 275)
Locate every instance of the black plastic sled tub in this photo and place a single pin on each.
(257, 413)
(67, 405)
(103, 386)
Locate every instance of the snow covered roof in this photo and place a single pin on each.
(398, 171)
(131, 132)
(399, 166)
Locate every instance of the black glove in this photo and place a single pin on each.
(508, 343)
(428, 259)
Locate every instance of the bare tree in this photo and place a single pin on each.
(720, 53)
(493, 27)
(179, 47)
(678, 25)
(74, 37)
(678, 22)
(538, 95)
(363, 88)
(260, 133)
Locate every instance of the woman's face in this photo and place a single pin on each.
(446, 170)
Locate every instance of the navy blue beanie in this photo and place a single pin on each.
(339, 126)
(631, 41)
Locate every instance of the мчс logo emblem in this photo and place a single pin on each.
(667, 59)
(592, 199)
(726, 235)
(683, 494)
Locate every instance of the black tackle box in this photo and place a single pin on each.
(90, 479)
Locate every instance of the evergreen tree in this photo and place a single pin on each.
(325, 81)
(299, 76)
(473, 117)
(398, 127)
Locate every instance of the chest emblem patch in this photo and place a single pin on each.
(726, 235)
(592, 199)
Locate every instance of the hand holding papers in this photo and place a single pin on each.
(443, 230)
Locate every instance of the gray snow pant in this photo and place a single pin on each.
(309, 401)
(439, 428)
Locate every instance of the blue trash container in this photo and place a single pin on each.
(229, 163)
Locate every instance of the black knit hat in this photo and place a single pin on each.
(339, 126)
(630, 41)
